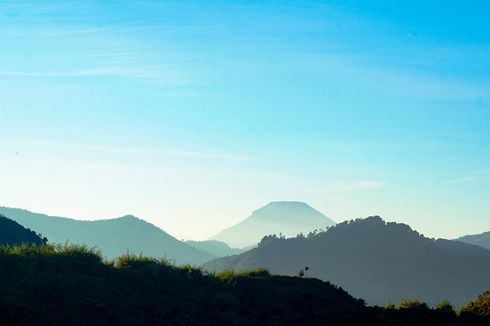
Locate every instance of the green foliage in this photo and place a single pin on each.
(230, 274)
(413, 304)
(480, 307)
(69, 251)
(445, 306)
(390, 306)
(226, 275)
(130, 260)
(258, 272)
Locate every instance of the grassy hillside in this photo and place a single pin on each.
(71, 285)
(113, 237)
(12, 233)
(380, 262)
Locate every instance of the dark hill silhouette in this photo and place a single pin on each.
(286, 217)
(380, 262)
(67, 285)
(12, 233)
(113, 237)
(482, 240)
(215, 247)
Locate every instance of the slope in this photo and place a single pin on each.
(380, 262)
(113, 237)
(286, 218)
(12, 233)
(482, 240)
(68, 285)
(214, 247)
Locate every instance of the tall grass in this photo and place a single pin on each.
(230, 274)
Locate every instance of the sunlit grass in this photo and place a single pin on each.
(230, 274)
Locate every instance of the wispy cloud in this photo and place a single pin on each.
(74, 73)
(480, 176)
(150, 74)
(461, 180)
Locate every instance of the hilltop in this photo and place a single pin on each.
(377, 261)
(113, 237)
(12, 233)
(72, 285)
(135, 290)
(482, 240)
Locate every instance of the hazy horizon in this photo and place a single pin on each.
(193, 114)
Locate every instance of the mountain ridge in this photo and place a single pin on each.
(378, 261)
(113, 237)
(13, 233)
(215, 247)
(481, 239)
(279, 217)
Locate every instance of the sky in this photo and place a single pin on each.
(192, 114)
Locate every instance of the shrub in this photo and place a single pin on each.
(390, 306)
(446, 307)
(480, 307)
(230, 274)
(413, 304)
(130, 260)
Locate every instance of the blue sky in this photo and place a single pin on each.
(192, 114)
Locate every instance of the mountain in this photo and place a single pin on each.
(377, 261)
(113, 237)
(482, 240)
(283, 217)
(70, 285)
(215, 247)
(13, 234)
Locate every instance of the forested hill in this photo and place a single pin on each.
(377, 261)
(12, 233)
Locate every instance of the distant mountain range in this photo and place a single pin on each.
(215, 247)
(14, 234)
(380, 262)
(113, 237)
(288, 218)
(482, 240)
